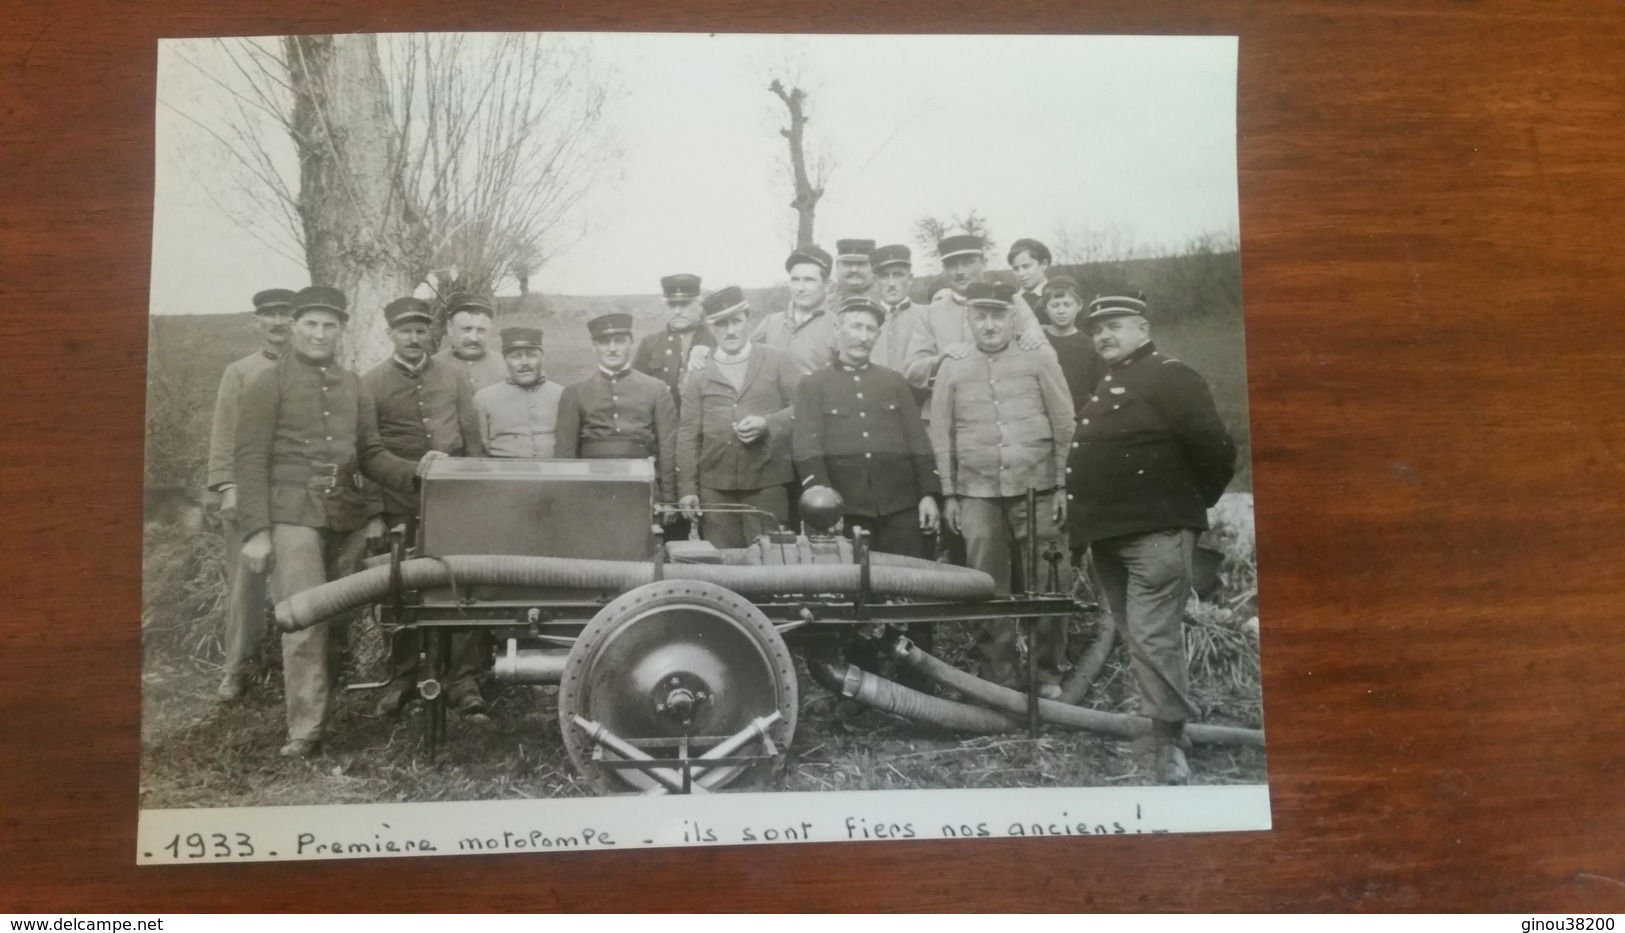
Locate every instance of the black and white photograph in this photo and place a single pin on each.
(584, 440)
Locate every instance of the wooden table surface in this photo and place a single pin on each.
(1431, 199)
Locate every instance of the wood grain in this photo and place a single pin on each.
(1430, 209)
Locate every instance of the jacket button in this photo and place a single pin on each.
(866, 434)
(1085, 421)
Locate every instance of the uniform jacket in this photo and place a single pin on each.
(626, 415)
(1081, 365)
(891, 347)
(708, 453)
(488, 370)
(1000, 423)
(421, 410)
(947, 322)
(223, 436)
(664, 356)
(306, 432)
(1150, 452)
(810, 346)
(519, 422)
(858, 431)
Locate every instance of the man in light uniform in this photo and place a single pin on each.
(894, 273)
(666, 353)
(306, 434)
(854, 273)
(519, 416)
(618, 412)
(245, 602)
(1150, 457)
(468, 328)
(733, 438)
(1001, 421)
(805, 331)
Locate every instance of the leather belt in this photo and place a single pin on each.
(312, 476)
(614, 448)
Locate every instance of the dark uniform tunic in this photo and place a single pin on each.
(628, 414)
(306, 432)
(1149, 452)
(421, 409)
(1081, 365)
(858, 431)
(664, 355)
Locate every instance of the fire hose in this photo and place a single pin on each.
(889, 576)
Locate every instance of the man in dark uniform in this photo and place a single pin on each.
(665, 353)
(618, 412)
(1150, 456)
(306, 432)
(855, 275)
(422, 405)
(245, 604)
(468, 335)
(858, 431)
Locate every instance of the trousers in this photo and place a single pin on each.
(1146, 581)
(737, 529)
(897, 533)
(245, 605)
(302, 558)
(995, 531)
(468, 650)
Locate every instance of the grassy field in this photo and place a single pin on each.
(200, 754)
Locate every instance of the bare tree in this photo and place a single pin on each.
(459, 155)
(930, 229)
(808, 190)
(1076, 244)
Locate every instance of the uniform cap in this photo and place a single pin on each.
(680, 287)
(474, 303)
(964, 244)
(863, 304)
(1108, 306)
(320, 298)
(724, 303)
(989, 294)
(273, 300)
(812, 254)
(894, 255)
(854, 250)
(606, 325)
(401, 310)
(521, 338)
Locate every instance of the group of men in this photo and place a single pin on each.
(936, 424)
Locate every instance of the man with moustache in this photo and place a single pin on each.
(733, 437)
(618, 412)
(518, 417)
(422, 405)
(805, 331)
(1001, 421)
(245, 602)
(306, 434)
(854, 273)
(468, 327)
(858, 431)
(1150, 457)
(894, 274)
(666, 353)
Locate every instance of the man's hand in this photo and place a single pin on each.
(750, 429)
(959, 350)
(665, 514)
(257, 551)
(950, 515)
(375, 532)
(930, 518)
(698, 357)
(431, 457)
(228, 503)
(1032, 339)
(690, 506)
(1059, 508)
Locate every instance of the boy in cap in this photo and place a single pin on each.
(666, 354)
(1150, 457)
(805, 331)
(857, 274)
(245, 604)
(519, 416)
(1001, 420)
(618, 412)
(306, 434)
(468, 329)
(422, 405)
(1074, 348)
(733, 436)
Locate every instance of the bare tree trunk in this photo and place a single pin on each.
(349, 200)
(807, 194)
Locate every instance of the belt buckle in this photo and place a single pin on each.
(324, 475)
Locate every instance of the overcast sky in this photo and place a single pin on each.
(1136, 133)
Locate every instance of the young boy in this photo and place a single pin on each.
(1080, 363)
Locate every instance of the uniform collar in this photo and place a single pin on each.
(613, 375)
(410, 369)
(813, 315)
(314, 364)
(533, 386)
(899, 307)
(847, 368)
(470, 359)
(271, 353)
(1149, 348)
